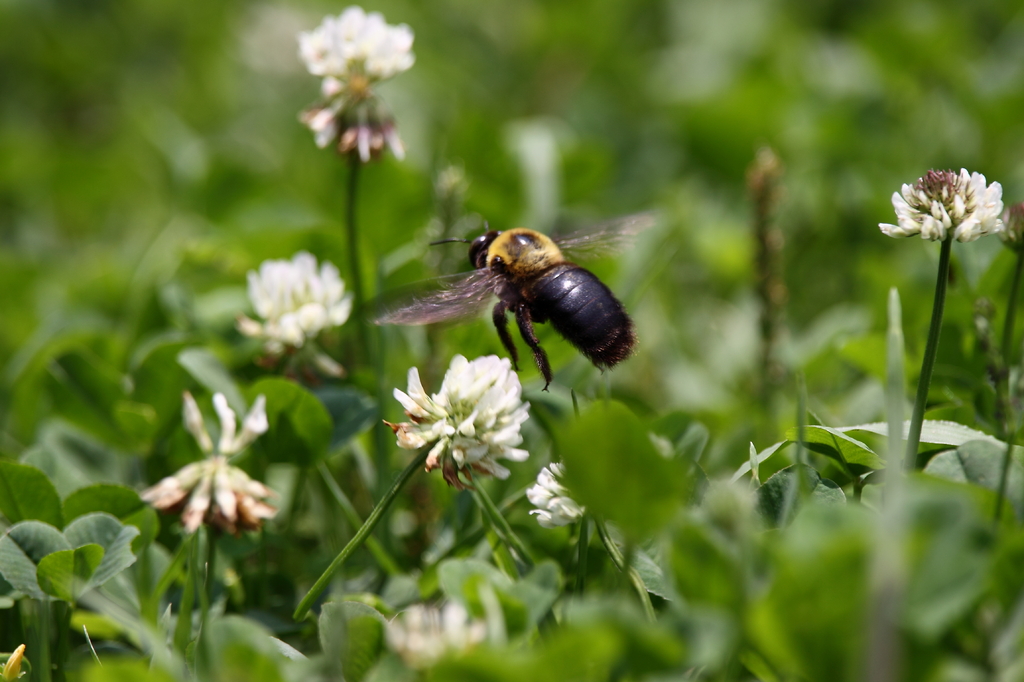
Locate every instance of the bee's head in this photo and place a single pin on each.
(478, 248)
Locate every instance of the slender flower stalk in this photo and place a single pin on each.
(942, 206)
(583, 553)
(360, 537)
(763, 185)
(1012, 235)
(501, 525)
(384, 559)
(631, 573)
(930, 350)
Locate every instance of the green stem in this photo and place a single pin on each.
(501, 525)
(925, 380)
(1011, 311)
(583, 546)
(298, 486)
(1010, 420)
(1004, 475)
(62, 611)
(183, 629)
(352, 516)
(35, 620)
(355, 268)
(361, 535)
(164, 583)
(620, 563)
(211, 555)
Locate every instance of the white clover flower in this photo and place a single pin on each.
(423, 635)
(357, 44)
(942, 201)
(352, 52)
(472, 421)
(1012, 233)
(554, 506)
(296, 300)
(212, 490)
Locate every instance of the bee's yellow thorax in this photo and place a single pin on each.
(525, 253)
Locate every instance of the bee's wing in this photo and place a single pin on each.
(605, 238)
(458, 298)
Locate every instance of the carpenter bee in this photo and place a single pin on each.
(533, 280)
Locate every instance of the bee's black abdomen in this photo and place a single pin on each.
(585, 311)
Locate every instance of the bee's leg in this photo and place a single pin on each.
(525, 322)
(501, 324)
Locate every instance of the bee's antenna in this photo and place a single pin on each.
(446, 241)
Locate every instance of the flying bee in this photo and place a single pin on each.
(533, 280)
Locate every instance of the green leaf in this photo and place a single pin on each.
(72, 459)
(119, 501)
(351, 410)
(453, 574)
(761, 457)
(354, 633)
(688, 436)
(138, 420)
(651, 573)
(705, 567)
(933, 431)
(237, 648)
(209, 371)
(110, 534)
(807, 619)
(26, 493)
(300, 426)
(614, 470)
(781, 490)
(950, 547)
(853, 455)
(122, 669)
(538, 591)
(22, 547)
(65, 574)
(980, 462)
(159, 381)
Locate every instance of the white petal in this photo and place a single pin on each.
(193, 419)
(227, 422)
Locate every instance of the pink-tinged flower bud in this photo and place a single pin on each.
(942, 203)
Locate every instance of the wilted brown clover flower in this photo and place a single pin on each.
(213, 491)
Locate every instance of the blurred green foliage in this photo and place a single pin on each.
(150, 156)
